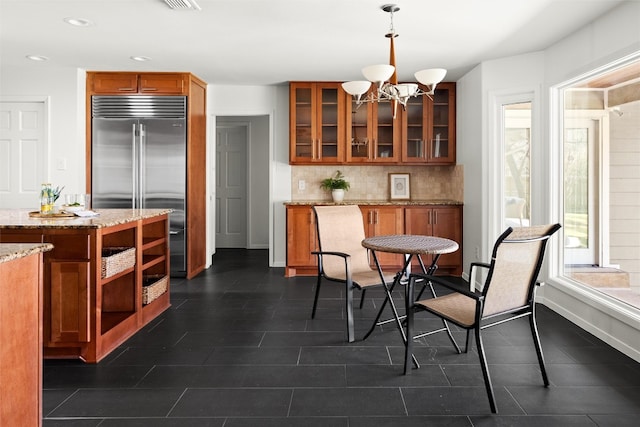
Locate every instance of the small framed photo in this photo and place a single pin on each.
(399, 186)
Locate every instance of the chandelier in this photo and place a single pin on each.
(385, 78)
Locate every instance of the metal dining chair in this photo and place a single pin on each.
(342, 258)
(508, 294)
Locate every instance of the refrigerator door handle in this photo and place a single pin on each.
(141, 165)
(134, 157)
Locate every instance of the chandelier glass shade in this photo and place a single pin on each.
(383, 77)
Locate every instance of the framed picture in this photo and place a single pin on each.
(399, 186)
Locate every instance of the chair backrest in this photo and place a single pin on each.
(341, 229)
(515, 263)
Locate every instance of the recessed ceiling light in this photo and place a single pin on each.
(37, 58)
(78, 22)
(140, 58)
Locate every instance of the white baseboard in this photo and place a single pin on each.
(611, 321)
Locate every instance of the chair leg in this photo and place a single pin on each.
(536, 341)
(453, 341)
(349, 309)
(408, 350)
(485, 371)
(468, 343)
(364, 291)
(315, 300)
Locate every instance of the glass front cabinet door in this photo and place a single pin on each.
(317, 123)
(373, 134)
(429, 128)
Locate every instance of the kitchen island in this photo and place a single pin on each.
(106, 277)
(21, 333)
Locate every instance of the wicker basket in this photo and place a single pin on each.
(115, 260)
(153, 287)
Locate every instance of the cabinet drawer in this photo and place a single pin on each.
(69, 246)
(20, 237)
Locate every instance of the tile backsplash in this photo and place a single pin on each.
(372, 182)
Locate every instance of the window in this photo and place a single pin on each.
(601, 183)
(517, 164)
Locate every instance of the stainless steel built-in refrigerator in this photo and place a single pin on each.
(138, 159)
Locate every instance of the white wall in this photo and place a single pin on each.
(610, 38)
(479, 93)
(470, 153)
(65, 90)
(272, 101)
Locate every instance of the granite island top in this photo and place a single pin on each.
(11, 251)
(376, 202)
(20, 218)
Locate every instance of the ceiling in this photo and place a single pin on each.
(259, 42)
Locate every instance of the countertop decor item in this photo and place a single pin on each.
(337, 185)
(48, 197)
(399, 186)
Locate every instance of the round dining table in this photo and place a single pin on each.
(409, 245)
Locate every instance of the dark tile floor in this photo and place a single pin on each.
(238, 348)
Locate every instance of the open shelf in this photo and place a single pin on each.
(112, 319)
(149, 261)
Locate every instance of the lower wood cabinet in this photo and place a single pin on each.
(301, 241)
(439, 221)
(431, 220)
(381, 220)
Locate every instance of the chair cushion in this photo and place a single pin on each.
(362, 279)
(455, 307)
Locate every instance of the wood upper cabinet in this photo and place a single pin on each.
(138, 83)
(428, 128)
(373, 134)
(328, 127)
(316, 123)
(163, 84)
(439, 221)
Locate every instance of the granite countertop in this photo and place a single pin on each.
(376, 202)
(20, 219)
(12, 251)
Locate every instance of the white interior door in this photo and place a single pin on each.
(23, 153)
(231, 186)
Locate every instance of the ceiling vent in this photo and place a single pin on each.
(183, 4)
